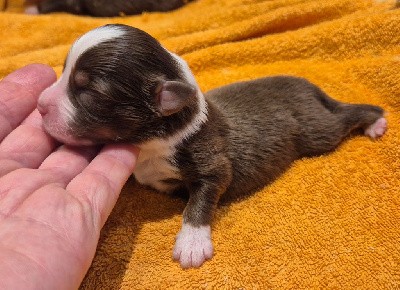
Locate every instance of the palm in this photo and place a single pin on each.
(53, 201)
(38, 241)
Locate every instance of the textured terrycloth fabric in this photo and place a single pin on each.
(330, 222)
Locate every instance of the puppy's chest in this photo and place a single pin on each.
(155, 167)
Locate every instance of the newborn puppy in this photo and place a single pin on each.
(102, 8)
(120, 85)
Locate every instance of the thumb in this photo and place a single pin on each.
(101, 182)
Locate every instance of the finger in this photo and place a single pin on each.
(58, 169)
(19, 92)
(100, 183)
(18, 185)
(69, 161)
(27, 146)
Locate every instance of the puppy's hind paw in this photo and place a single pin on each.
(377, 129)
(193, 246)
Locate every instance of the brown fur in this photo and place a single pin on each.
(256, 129)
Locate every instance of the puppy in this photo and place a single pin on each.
(120, 85)
(102, 8)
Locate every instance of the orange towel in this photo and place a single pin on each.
(330, 222)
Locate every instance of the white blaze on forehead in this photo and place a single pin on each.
(89, 40)
(85, 42)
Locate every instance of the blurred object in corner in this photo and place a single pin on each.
(3, 5)
(102, 8)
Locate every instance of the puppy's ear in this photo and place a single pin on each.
(173, 96)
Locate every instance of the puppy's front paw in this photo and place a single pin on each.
(193, 246)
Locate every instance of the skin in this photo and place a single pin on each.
(53, 200)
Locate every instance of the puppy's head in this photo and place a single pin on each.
(119, 85)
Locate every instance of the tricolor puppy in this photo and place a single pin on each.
(102, 8)
(120, 85)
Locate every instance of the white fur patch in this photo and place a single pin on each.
(153, 166)
(193, 246)
(377, 129)
(201, 117)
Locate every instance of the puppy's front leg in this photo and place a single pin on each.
(193, 243)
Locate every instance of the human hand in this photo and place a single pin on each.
(53, 200)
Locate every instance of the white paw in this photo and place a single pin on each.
(377, 129)
(193, 246)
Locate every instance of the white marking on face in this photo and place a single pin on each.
(84, 43)
(193, 246)
(89, 40)
(67, 109)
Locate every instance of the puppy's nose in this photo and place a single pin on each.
(43, 102)
(46, 99)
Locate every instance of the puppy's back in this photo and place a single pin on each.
(273, 121)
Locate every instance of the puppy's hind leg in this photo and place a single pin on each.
(377, 129)
(354, 117)
(370, 119)
(323, 129)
